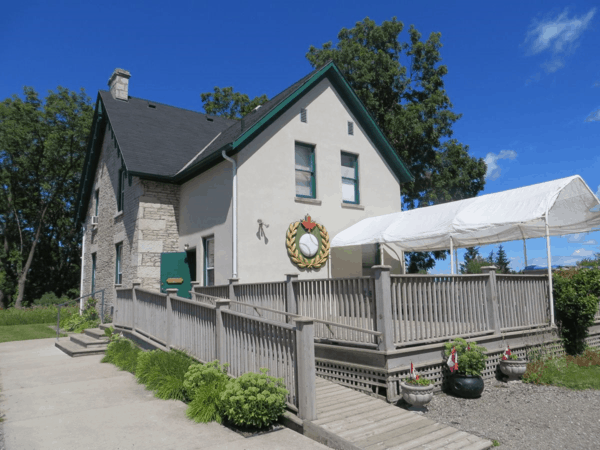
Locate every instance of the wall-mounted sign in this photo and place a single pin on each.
(307, 244)
(174, 280)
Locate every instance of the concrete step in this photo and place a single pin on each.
(96, 333)
(72, 349)
(88, 342)
(104, 326)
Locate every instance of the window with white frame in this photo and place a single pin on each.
(119, 263)
(305, 171)
(209, 261)
(93, 272)
(350, 193)
(121, 194)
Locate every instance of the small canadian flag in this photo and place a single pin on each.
(507, 353)
(452, 362)
(413, 373)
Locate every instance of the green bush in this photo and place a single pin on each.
(576, 295)
(254, 399)
(37, 314)
(123, 353)
(204, 384)
(164, 372)
(50, 299)
(470, 362)
(78, 323)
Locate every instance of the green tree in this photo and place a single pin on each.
(227, 103)
(410, 103)
(42, 148)
(472, 254)
(590, 262)
(502, 262)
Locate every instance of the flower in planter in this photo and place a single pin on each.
(506, 353)
(415, 379)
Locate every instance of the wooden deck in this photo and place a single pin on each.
(353, 420)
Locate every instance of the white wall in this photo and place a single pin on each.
(266, 188)
(205, 210)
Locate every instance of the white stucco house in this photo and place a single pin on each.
(169, 196)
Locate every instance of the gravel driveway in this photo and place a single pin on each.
(524, 416)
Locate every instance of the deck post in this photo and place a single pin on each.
(491, 295)
(220, 329)
(194, 285)
(383, 307)
(290, 296)
(170, 293)
(134, 286)
(306, 370)
(232, 283)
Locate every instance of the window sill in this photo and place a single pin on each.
(118, 214)
(353, 206)
(308, 201)
(118, 286)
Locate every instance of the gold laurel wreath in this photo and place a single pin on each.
(315, 263)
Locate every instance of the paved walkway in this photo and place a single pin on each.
(52, 401)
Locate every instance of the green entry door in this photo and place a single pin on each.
(177, 271)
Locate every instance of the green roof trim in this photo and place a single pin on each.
(350, 97)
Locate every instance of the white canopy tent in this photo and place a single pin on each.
(554, 208)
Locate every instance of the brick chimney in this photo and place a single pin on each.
(119, 84)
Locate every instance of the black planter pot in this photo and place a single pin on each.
(466, 386)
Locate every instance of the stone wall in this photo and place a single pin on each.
(158, 230)
(147, 226)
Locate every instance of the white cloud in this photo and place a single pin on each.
(594, 116)
(582, 253)
(559, 36)
(581, 238)
(491, 160)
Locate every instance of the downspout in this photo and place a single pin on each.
(82, 268)
(234, 219)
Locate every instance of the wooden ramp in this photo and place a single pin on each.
(347, 419)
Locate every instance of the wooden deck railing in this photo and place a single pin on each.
(221, 291)
(347, 301)
(522, 301)
(432, 307)
(208, 332)
(405, 309)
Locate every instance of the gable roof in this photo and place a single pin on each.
(174, 145)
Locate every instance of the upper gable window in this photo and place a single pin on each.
(351, 128)
(121, 194)
(96, 202)
(350, 178)
(305, 171)
(303, 116)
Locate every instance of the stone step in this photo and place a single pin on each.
(72, 349)
(87, 341)
(96, 333)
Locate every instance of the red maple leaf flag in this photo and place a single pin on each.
(452, 362)
(413, 373)
(308, 224)
(506, 353)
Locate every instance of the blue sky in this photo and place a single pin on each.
(525, 75)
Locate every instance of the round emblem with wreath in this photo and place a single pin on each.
(307, 244)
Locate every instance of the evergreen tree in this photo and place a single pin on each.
(502, 262)
(472, 254)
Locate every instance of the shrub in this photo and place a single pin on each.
(164, 372)
(420, 382)
(576, 295)
(573, 372)
(254, 399)
(37, 314)
(78, 323)
(123, 353)
(470, 362)
(204, 384)
(50, 299)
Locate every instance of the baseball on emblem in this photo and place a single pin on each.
(309, 245)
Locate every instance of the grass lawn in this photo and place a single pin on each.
(579, 372)
(10, 333)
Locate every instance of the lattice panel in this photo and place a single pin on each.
(374, 381)
(365, 380)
